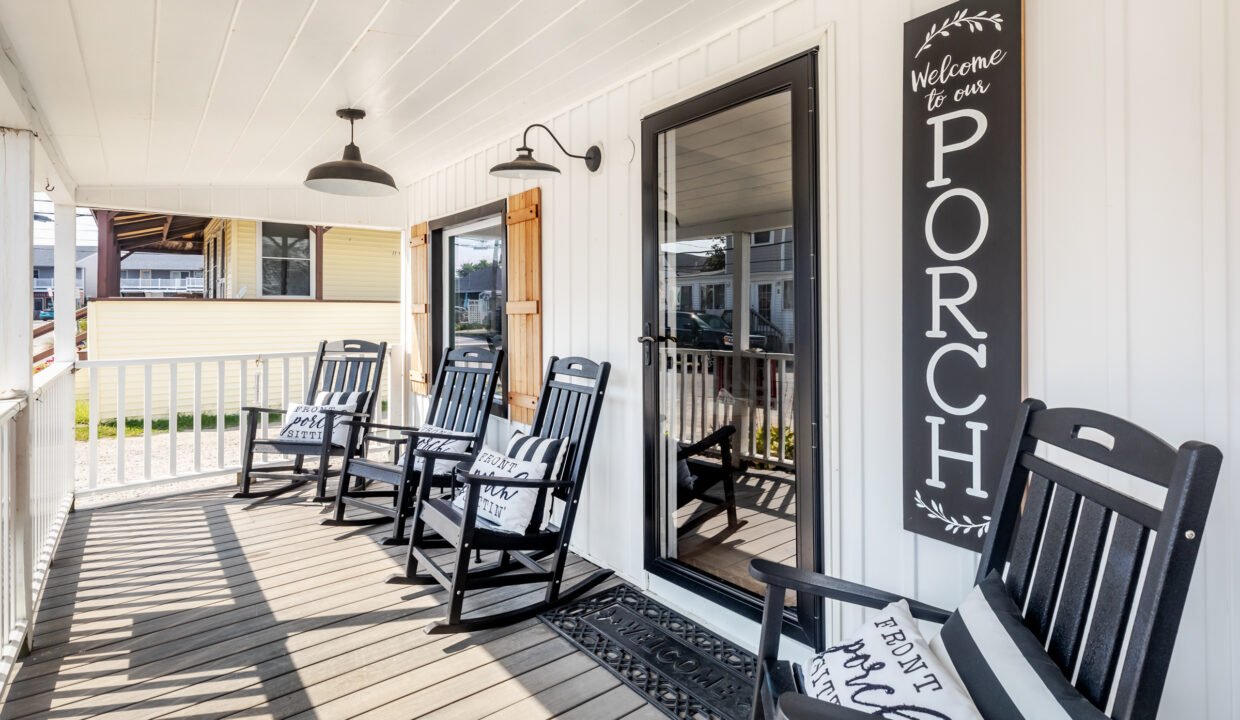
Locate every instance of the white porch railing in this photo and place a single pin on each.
(185, 284)
(753, 391)
(197, 392)
(36, 494)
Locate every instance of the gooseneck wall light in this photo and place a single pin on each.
(349, 175)
(525, 166)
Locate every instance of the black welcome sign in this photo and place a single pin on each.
(963, 222)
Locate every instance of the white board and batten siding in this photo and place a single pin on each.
(1133, 224)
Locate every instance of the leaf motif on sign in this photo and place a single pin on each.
(964, 525)
(962, 18)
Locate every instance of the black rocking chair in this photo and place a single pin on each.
(460, 403)
(1050, 532)
(342, 366)
(695, 477)
(569, 406)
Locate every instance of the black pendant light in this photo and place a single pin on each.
(525, 166)
(349, 175)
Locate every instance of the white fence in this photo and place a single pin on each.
(753, 391)
(164, 392)
(36, 494)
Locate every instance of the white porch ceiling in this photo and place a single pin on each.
(176, 93)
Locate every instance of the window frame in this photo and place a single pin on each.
(258, 264)
(441, 308)
(718, 293)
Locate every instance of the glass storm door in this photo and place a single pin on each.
(730, 338)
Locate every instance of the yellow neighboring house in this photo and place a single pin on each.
(300, 261)
(269, 288)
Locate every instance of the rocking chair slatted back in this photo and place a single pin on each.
(464, 385)
(568, 408)
(348, 366)
(1074, 548)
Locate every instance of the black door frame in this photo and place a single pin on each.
(797, 74)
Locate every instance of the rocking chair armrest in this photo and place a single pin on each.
(386, 440)
(442, 455)
(471, 480)
(415, 433)
(793, 706)
(346, 413)
(792, 578)
(383, 426)
(718, 437)
(250, 409)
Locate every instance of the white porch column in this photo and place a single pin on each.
(66, 283)
(16, 262)
(17, 348)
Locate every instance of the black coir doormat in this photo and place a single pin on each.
(679, 666)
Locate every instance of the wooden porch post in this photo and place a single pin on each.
(109, 260)
(65, 302)
(319, 231)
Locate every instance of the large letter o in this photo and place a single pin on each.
(983, 224)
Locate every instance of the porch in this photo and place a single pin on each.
(203, 606)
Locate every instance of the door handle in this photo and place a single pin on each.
(660, 338)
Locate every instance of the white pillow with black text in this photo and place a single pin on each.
(508, 507)
(304, 423)
(888, 670)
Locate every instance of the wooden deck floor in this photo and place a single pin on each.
(766, 513)
(201, 606)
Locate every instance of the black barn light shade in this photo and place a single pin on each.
(525, 166)
(349, 175)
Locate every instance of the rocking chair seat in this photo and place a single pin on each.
(388, 473)
(281, 446)
(447, 519)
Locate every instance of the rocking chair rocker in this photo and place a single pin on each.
(1049, 530)
(343, 367)
(567, 408)
(460, 404)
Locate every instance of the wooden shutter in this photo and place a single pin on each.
(419, 308)
(524, 304)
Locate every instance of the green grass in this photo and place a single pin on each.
(133, 426)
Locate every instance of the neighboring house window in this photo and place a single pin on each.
(713, 296)
(684, 297)
(762, 238)
(285, 268)
(788, 295)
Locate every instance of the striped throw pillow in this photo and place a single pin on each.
(333, 397)
(1002, 664)
(532, 448)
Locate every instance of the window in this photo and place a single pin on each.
(762, 238)
(789, 296)
(684, 298)
(713, 296)
(285, 261)
(475, 287)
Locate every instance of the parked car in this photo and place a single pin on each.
(48, 314)
(709, 332)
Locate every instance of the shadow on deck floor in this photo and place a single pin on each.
(201, 606)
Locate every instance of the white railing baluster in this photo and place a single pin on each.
(120, 425)
(197, 416)
(146, 421)
(172, 419)
(92, 432)
(284, 396)
(220, 370)
(264, 384)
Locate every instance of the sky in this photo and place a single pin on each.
(45, 230)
